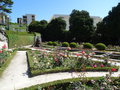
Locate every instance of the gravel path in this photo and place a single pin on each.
(15, 76)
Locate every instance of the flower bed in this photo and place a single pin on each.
(5, 58)
(100, 83)
(42, 62)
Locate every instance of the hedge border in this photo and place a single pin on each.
(6, 64)
(61, 82)
(56, 70)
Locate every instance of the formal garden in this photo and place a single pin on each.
(55, 57)
(61, 59)
(100, 83)
(84, 57)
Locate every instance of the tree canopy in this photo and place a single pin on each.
(55, 29)
(5, 6)
(38, 26)
(81, 25)
(109, 28)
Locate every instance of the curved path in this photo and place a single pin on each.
(15, 76)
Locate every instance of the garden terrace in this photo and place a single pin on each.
(80, 83)
(41, 62)
(113, 55)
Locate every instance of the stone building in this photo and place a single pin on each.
(4, 19)
(96, 19)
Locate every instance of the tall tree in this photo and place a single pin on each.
(42, 26)
(110, 26)
(5, 6)
(81, 25)
(55, 29)
(38, 26)
(34, 26)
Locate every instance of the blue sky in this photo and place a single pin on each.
(45, 9)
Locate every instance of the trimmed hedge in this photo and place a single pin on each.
(65, 44)
(50, 43)
(18, 39)
(5, 65)
(56, 70)
(100, 46)
(55, 43)
(73, 45)
(87, 45)
(35, 87)
(62, 69)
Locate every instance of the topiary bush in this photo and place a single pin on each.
(50, 43)
(87, 45)
(73, 45)
(65, 44)
(55, 43)
(100, 46)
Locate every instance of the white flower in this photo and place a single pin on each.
(105, 83)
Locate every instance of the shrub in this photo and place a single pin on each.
(87, 45)
(55, 43)
(73, 45)
(50, 43)
(65, 44)
(100, 46)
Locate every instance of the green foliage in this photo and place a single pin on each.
(7, 61)
(81, 25)
(67, 36)
(22, 49)
(108, 30)
(55, 29)
(68, 83)
(50, 43)
(55, 43)
(18, 39)
(38, 26)
(73, 44)
(87, 45)
(17, 27)
(100, 46)
(19, 33)
(65, 44)
(5, 5)
(41, 63)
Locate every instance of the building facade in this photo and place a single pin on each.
(4, 19)
(64, 17)
(19, 21)
(96, 19)
(28, 18)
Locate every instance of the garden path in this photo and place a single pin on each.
(15, 76)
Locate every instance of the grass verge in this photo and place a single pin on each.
(5, 65)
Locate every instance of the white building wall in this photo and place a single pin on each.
(64, 17)
(96, 19)
(29, 18)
